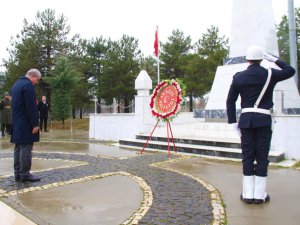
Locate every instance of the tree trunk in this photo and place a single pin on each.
(191, 102)
(99, 106)
(80, 114)
(118, 105)
(63, 123)
(126, 105)
(73, 113)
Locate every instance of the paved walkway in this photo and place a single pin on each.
(142, 189)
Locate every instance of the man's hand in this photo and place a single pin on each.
(237, 129)
(35, 130)
(270, 58)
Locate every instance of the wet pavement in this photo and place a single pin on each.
(283, 185)
(91, 182)
(174, 198)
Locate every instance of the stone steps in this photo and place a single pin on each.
(194, 146)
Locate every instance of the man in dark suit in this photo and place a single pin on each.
(25, 124)
(43, 107)
(255, 121)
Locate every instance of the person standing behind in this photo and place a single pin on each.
(43, 107)
(25, 124)
(6, 115)
(255, 121)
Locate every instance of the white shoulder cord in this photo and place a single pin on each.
(264, 88)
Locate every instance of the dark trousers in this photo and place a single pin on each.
(22, 160)
(255, 147)
(43, 120)
(6, 127)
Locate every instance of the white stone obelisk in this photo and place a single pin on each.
(252, 23)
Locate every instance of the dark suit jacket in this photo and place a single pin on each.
(24, 112)
(248, 84)
(43, 108)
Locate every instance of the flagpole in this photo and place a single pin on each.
(158, 57)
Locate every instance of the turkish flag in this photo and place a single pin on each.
(156, 43)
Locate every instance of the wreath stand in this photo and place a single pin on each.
(169, 129)
(165, 105)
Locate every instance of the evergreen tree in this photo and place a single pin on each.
(38, 46)
(174, 55)
(283, 38)
(211, 50)
(150, 65)
(96, 54)
(120, 70)
(64, 80)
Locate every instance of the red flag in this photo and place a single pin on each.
(156, 43)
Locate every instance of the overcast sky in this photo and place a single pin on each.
(137, 18)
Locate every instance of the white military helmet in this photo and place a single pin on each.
(255, 52)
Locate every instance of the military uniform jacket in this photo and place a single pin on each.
(5, 111)
(248, 84)
(24, 112)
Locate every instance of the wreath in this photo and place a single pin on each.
(167, 99)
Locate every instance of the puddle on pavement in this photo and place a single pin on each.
(6, 165)
(71, 147)
(86, 148)
(106, 201)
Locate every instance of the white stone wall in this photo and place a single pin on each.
(286, 136)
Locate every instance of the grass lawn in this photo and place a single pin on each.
(77, 124)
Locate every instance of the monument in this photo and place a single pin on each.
(252, 23)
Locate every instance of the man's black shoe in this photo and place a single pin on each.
(17, 178)
(260, 201)
(246, 200)
(30, 178)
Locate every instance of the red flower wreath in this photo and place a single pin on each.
(166, 99)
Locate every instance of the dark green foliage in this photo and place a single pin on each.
(174, 55)
(283, 38)
(120, 69)
(62, 83)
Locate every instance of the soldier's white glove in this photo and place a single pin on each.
(270, 57)
(237, 129)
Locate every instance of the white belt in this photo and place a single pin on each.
(256, 110)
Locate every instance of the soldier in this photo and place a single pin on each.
(5, 115)
(255, 86)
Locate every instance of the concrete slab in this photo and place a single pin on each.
(11, 217)
(106, 201)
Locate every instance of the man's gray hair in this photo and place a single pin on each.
(34, 73)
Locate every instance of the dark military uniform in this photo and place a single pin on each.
(5, 116)
(255, 127)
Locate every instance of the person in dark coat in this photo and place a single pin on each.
(43, 107)
(5, 114)
(25, 124)
(255, 121)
